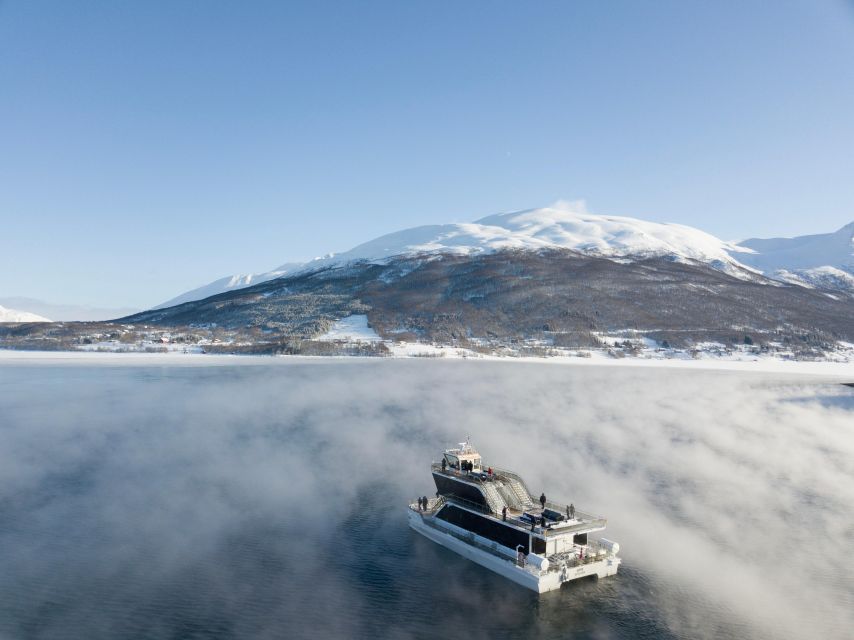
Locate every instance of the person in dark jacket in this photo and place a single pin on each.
(504, 513)
(444, 465)
(543, 500)
(571, 510)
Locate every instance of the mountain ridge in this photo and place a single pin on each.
(564, 225)
(571, 226)
(228, 283)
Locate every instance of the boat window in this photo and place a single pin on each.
(453, 461)
(483, 526)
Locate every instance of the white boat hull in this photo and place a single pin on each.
(530, 577)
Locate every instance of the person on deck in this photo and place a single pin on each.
(543, 500)
(504, 513)
(571, 510)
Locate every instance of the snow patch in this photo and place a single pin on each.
(351, 329)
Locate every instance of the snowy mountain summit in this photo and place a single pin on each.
(564, 227)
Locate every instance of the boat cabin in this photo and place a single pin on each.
(463, 458)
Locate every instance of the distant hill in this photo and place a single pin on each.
(62, 312)
(13, 315)
(824, 260)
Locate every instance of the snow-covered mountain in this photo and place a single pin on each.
(229, 283)
(566, 227)
(12, 315)
(803, 252)
(824, 260)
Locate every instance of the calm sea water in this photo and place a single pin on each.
(269, 501)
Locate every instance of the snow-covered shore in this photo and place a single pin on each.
(842, 371)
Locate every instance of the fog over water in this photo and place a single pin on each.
(269, 500)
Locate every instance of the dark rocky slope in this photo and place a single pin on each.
(557, 296)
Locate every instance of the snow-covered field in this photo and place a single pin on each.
(351, 329)
(843, 371)
(616, 351)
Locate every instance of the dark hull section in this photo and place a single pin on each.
(447, 486)
(485, 527)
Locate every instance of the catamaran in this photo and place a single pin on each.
(488, 515)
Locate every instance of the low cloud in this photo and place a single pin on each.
(571, 206)
(262, 500)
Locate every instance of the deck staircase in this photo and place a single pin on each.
(493, 497)
(520, 492)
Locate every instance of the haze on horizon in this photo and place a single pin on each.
(151, 148)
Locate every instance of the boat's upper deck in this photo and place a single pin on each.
(499, 489)
(581, 523)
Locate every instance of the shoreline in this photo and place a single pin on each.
(11, 357)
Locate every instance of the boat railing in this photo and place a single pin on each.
(491, 548)
(583, 516)
(465, 475)
(513, 476)
(432, 504)
(476, 506)
(588, 519)
(592, 552)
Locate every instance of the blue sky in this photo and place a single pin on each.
(150, 147)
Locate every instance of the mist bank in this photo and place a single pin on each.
(235, 500)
